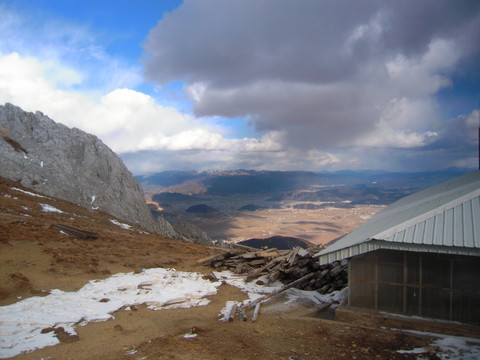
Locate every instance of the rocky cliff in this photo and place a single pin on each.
(72, 165)
(192, 233)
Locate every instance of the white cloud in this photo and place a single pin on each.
(420, 77)
(366, 33)
(387, 137)
(23, 81)
(59, 69)
(124, 119)
(402, 124)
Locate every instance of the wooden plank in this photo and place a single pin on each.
(257, 262)
(302, 252)
(80, 234)
(242, 315)
(273, 275)
(291, 269)
(231, 313)
(337, 270)
(210, 258)
(267, 253)
(257, 273)
(278, 291)
(255, 312)
(243, 247)
(293, 256)
(248, 255)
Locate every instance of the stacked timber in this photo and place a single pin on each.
(295, 267)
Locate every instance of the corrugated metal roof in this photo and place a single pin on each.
(443, 218)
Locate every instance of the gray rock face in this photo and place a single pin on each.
(192, 233)
(72, 165)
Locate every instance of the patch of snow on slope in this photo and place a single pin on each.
(251, 288)
(50, 208)
(21, 323)
(93, 198)
(122, 225)
(28, 192)
(448, 347)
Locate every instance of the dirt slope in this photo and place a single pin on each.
(35, 257)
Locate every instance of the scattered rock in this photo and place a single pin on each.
(64, 336)
(19, 277)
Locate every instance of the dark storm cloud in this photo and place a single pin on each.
(327, 73)
(229, 43)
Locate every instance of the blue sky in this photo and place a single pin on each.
(272, 84)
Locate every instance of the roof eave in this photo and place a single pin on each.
(376, 244)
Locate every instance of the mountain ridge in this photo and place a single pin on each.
(241, 181)
(73, 165)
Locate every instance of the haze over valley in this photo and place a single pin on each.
(237, 205)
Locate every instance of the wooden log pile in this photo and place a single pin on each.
(287, 266)
(79, 234)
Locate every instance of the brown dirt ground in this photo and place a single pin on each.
(35, 258)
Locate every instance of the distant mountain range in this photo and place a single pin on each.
(359, 187)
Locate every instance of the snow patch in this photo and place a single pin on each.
(448, 347)
(91, 202)
(122, 225)
(50, 208)
(21, 323)
(190, 335)
(251, 288)
(29, 193)
(335, 298)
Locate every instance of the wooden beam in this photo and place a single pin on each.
(278, 291)
(255, 312)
